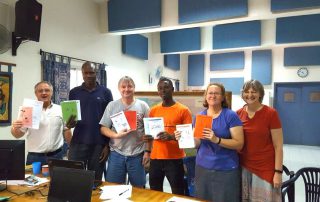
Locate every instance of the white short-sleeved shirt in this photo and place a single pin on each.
(49, 136)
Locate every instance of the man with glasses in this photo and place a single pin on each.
(47, 141)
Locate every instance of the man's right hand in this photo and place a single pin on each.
(17, 124)
(147, 138)
(71, 122)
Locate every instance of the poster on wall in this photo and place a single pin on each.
(5, 98)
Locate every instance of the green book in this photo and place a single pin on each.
(71, 107)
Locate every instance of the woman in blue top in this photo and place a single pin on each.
(217, 176)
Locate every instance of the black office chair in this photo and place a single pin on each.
(311, 179)
(289, 189)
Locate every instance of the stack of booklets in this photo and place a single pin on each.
(69, 108)
(124, 120)
(153, 126)
(202, 121)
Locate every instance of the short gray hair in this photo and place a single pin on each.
(126, 79)
(43, 82)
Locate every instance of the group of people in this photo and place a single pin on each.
(238, 158)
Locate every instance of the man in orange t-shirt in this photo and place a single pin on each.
(166, 157)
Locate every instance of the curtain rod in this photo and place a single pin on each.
(7, 64)
(72, 58)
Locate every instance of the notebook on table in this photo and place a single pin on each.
(70, 185)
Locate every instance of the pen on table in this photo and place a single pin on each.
(123, 192)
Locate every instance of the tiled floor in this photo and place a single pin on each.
(295, 157)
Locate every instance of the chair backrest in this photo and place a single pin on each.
(311, 179)
(290, 190)
(190, 163)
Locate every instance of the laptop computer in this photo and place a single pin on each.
(64, 163)
(70, 185)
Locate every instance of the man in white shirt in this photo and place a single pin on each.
(47, 141)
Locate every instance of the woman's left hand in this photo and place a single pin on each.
(209, 135)
(277, 180)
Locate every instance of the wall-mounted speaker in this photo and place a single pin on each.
(27, 22)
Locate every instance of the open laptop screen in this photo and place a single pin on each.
(64, 163)
(70, 185)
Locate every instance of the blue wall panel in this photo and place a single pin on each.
(172, 61)
(230, 84)
(225, 61)
(302, 56)
(133, 14)
(192, 11)
(242, 34)
(298, 29)
(180, 40)
(285, 5)
(135, 45)
(196, 70)
(262, 66)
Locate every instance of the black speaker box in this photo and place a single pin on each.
(28, 19)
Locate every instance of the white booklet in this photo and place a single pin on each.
(36, 111)
(153, 126)
(186, 140)
(120, 122)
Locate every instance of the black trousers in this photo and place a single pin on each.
(172, 169)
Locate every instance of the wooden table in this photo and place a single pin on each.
(138, 194)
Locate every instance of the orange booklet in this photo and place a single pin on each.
(132, 119)
(202, 121)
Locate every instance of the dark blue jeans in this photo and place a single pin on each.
(119, 166)
(172, 169)
(42, 158)
(90, 155)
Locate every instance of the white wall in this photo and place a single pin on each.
(72, 28)
(75, 28)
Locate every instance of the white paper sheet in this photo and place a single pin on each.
(116, 192)
(120, 122)
(153, 126)
(186, 140)
(36, 111)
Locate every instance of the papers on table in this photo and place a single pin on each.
(69, 108)
(186, 140)
(30, 180)
(30, 113)
(120, 122)
(153, 126)
(116, 192)
(202, 121)
(179, 199)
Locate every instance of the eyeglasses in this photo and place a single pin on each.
(43, 90)
(214, 93)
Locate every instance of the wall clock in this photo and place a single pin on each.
(303, 72)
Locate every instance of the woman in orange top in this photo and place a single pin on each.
(262, 155)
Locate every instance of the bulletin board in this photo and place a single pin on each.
(192, 99)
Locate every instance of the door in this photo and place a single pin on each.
(298, 105)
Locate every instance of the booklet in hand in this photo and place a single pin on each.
(186, 140)
(120, 122)
(153, 126)
(131, 117)
(202, 121)
(25, 115)
(69, 108)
